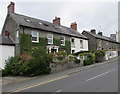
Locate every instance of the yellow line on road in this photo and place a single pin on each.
(41, 83)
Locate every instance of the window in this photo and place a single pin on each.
(17, 36)
(50, 38)
(40, 23)
(81, 43)
(72, 42)
(62, 40)
(106, 43)
(35, 36)
(27, 20)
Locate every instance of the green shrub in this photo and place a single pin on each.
(90, 59)
(62, 53)
(25, 43)
(40, 62)
(99, 54)
(12, 66)
(71, 58)
(26, 65)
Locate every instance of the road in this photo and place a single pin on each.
(102, 78)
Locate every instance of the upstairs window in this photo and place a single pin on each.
(81, 43)
(106, 43)
(72, 42)
(50, 38)
(35, 36)
(62, 40)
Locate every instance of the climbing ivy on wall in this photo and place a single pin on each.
(67, 46)
(42, 43)
(26, 44)
(56, 42)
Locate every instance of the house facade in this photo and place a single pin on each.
(59, 38)
(100, 42)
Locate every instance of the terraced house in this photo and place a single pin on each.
(100, 42)
(53, 36)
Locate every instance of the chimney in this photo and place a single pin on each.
(6, 33)
(73, 26)
(100, 33)
(93, 31)
(56, 20)
(11, 7)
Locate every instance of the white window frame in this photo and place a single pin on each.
(62, 40)
(17, 36)
(81, 46)
(35, 36)
(50, 38)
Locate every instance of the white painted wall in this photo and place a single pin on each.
(6, 52)
(77, 45)
(111, 54)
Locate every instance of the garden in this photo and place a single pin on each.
(39, 62)
(33, 59)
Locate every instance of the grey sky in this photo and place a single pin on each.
(102, 16)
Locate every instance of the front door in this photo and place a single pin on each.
(53, 50)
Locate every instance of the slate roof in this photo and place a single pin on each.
(4, 40)
(44, 25)
(101, 37)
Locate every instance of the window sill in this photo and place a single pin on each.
(62, 44)
(50, 43)
(35, 41)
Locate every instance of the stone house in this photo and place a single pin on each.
(100, 42)
(59, 38)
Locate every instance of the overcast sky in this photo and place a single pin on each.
(89, 14)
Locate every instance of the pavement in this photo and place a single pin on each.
(7, 82)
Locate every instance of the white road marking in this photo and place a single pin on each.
(98, 75)
(59, 91)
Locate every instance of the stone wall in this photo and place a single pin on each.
(60, 67)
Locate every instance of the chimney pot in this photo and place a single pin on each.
(11, 7)
(93, 31)
(73, 26)
(100, 33)
(6, 33)
(56, 20)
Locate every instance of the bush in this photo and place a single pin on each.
(99, 55)
(71, 58)
(62, 53)
(12, 66)
(40, 62)
(60, 56)
(90, 59)
(27, 65)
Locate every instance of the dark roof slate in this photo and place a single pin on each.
(4, 40)
(101, 37)
(44, 25)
